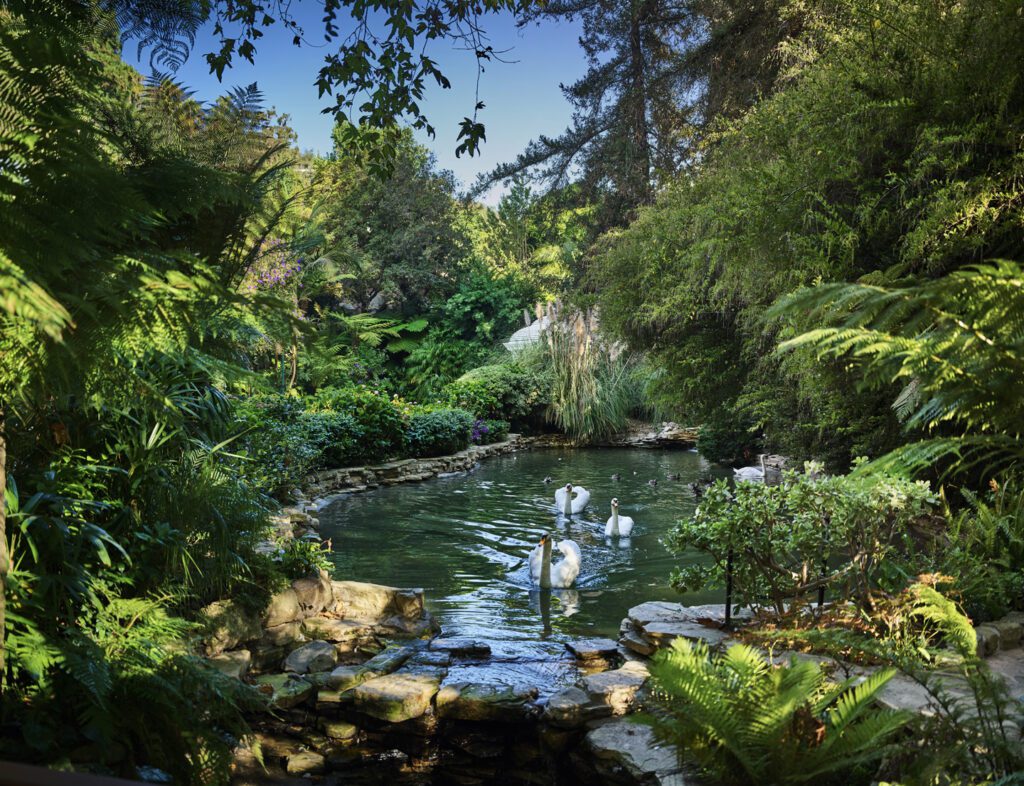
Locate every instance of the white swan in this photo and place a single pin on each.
(618, 525)
(567, 503)
(561, 575)
(750, 473)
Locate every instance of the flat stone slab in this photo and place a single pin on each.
(634, 748)
(344, 678)
(389, 660)
(591, 649)
(458, 647)
(396, 697)
(475, 702)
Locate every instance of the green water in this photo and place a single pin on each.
(464, 539)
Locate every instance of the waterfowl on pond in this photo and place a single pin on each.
(750, 473)
(673, 476)
(567, 503)
(548, 479)
(652, 483)
(618, 525)
(560, 575)
(698, 487)
(616, 477)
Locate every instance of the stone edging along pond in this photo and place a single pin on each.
(355, 479)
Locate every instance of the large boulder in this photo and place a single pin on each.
(374, 602)
(571, 708)
(227, 625)
(396, 697)
(283, 607)
(305, 763)
(282, 635)
(313, 657)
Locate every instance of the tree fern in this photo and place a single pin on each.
(955, 343)
(750, 722)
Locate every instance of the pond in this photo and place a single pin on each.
(465, 539)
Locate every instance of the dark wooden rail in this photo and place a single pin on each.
(27, 775)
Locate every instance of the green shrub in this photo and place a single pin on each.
(302, 558)
(339, 436)
(726, 438)
(487, 431)
(749, 722)
(282, 444)
(381, 421)
(855, 535)
(499, 391)
(439, 432)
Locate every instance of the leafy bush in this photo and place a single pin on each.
(499, 391)
(302, 558)
(854, 535)
(283, 445)
(486, 432)
(439, 432)
(339, 436)
(726, 438)
(381, 421)
(985, 554)
(749, 722)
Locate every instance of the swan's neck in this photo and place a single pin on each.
(615, 521)
(545, 565)
(568, 503)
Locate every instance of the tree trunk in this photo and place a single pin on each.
(5, 558)
(640, 174)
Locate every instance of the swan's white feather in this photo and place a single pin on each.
(536, 560)
(625, 526)
(749, 473)
(565, 572)
(579, 501)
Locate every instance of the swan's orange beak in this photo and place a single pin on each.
(544, 539)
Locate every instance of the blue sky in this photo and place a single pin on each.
(522, 96)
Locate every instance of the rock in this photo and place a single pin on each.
(285, 690)
(373, 602)
(339, 730)
(389, 660)
(233, 664)
(283, 635)
(305, 763)
(396, 697)
(227, 626)
(345, 677)
(571, 708)
(266, 657)
(635, 643)
(593, 649)
(461, 647)
(659, 623)
(315, 656)
(313, 594)
(634, 748)
(616, 689)
(988, 640)
(330, 629)
(1010, 633)
(475, 702)
(283, 607)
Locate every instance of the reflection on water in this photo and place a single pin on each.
(465, 540)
